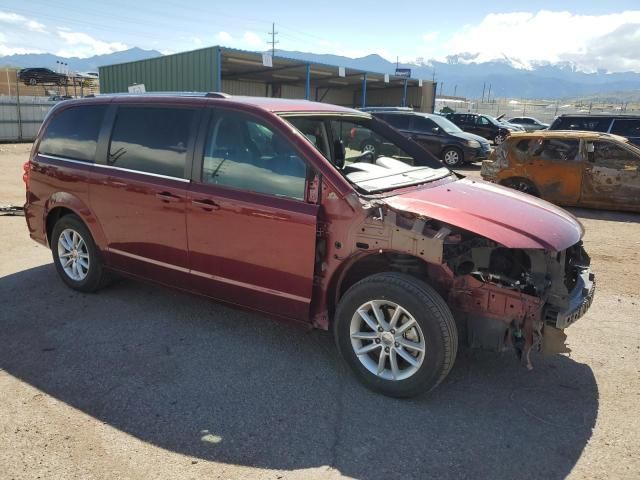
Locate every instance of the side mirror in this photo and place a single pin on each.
(591, 148)
(435, 130)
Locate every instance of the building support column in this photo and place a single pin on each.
(404, 93)
(363, 103)
(307, 85)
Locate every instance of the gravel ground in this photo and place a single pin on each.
(138, 381)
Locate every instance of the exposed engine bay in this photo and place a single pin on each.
(501, 297)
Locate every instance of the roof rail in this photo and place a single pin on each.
(217, 95)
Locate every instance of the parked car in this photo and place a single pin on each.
(482, 125)
(439, 136)
(256, 202)
(529, 124)
(35, 76)
(624, 125)
(587, 169)
(59, 98)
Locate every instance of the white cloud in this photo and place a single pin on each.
(5, 50)
(15, 19)
(224, 37)
(252, 40)
(430, 37)
(83, 45)
(552, 36)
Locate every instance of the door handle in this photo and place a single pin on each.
(167, 197)
(206, 204)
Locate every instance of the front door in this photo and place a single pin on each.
(612, 177)
(140, 191)
(422, 131)
(554, 165)
(252, 234)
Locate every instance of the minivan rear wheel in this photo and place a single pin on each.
(75, 254)
(396, 333)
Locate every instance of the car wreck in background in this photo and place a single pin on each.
(570, 168)
(259, 202)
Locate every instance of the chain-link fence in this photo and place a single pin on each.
(545, 111)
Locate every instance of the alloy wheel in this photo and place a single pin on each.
(73, 255)
(387, 340)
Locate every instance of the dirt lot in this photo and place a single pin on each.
(142, 382)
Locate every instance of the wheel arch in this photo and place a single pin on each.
(63, 203)
(504, 182)
(452, 147)
(359, 267)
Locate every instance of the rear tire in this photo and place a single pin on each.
(396, 333)
(75, 255)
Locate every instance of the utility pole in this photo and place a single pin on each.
(484, 86)
(455, 90)
(273, 40)
(489, 95)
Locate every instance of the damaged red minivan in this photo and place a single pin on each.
(259, 202)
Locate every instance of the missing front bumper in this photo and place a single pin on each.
(579, 302)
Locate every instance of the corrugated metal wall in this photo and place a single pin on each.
(195, 71)
(23, 124)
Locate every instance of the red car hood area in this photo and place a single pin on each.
(513, 219)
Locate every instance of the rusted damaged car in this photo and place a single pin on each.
(258, 202)
(570, 168)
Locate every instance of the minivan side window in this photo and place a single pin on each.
(73, 133)
(399, 121)
(151, 139)
(243, 153)
(423, 124)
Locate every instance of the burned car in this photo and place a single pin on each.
(258, 202)
(569, 168)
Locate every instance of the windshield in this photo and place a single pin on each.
(370, 154)
(446, 125)
(492, 120)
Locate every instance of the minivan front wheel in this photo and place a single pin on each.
(75, 254)
(396, 333)
(452, 157)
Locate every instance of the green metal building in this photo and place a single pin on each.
(238, 72)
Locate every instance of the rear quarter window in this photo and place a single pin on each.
(73, 133)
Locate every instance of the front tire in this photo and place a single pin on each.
(75, 255)
(396, 333)
(452, 157)
(499, 138)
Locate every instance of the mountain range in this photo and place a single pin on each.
(459, 74)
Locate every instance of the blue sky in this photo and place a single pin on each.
(592, 34)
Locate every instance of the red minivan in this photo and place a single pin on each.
(258, 202)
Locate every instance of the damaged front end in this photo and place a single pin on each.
(508, 297)
(511, 291)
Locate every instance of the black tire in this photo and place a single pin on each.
(430, 312)
(95, 274)
(499, 139)
(33, 81)
(369, 146)
(452, 157)
(522, 185)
